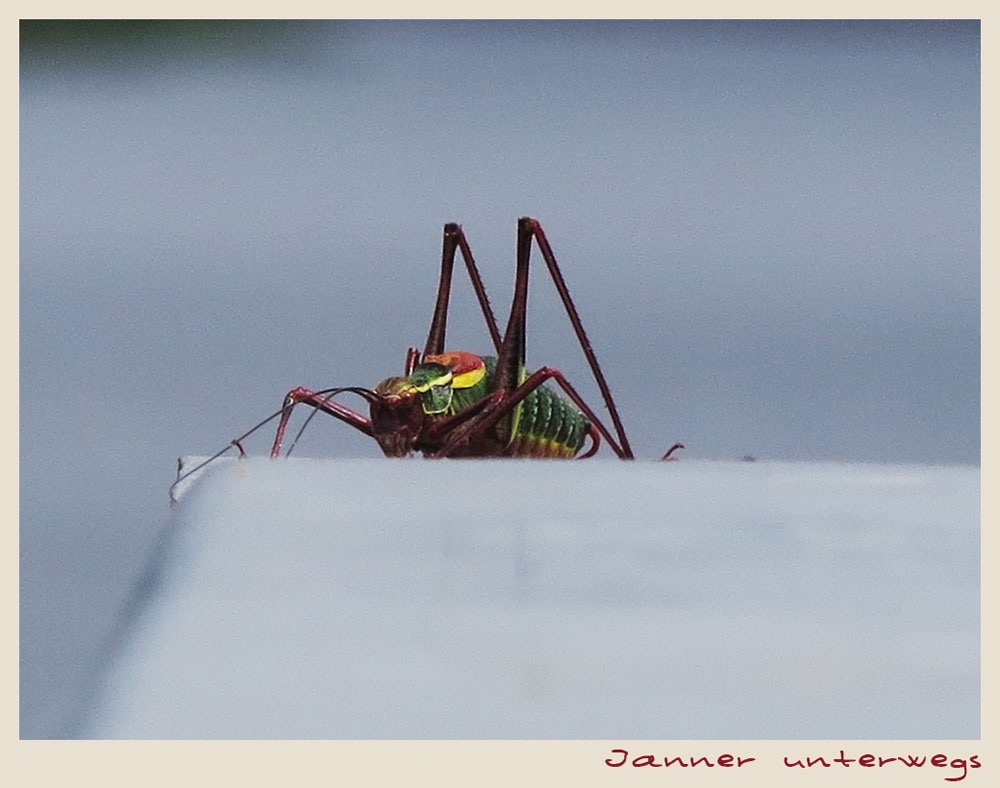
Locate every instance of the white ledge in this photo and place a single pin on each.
(597, 599)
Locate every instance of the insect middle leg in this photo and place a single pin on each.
(477, 422)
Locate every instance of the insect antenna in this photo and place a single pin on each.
(327, 395)
(237, 442)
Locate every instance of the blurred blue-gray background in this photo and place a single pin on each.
(771, 230)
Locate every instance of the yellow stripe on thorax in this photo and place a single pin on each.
(467, 369)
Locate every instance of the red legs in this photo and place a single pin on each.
(581, 335)
(455, 429)
(322, 401)
(454, 239)
(595, 443)
(489, 414)
(319, 400)
(671, 450)
(511, 358)
(476, 421)
(511, 348)
(621, 449)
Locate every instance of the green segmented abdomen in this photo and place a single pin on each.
(548, 426)
(545, 424)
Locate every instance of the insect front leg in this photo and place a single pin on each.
(321, 401)
(460, 429)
